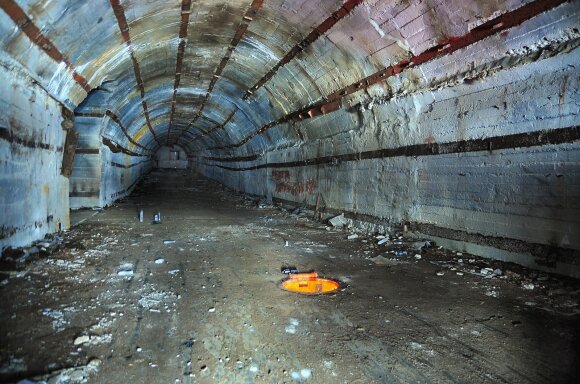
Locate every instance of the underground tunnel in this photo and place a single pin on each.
(170, 168)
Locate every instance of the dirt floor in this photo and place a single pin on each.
(112, 301)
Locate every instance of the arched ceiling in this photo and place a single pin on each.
(220, 75)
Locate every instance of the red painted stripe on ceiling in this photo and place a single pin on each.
(248, 17)
(124, 27)
(185, 11)
(333, 103)
(25, 24)
(320, 30)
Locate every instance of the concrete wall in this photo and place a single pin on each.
(85, 179)
(33, 194)
(120, 174)
(469, 157)
(171, 157)
(99, 179)
(102, 173)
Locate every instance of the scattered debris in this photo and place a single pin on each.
(154, 300)
(16, 258)
(492, 293)
(304, 374)
(381, 260)
(553, 295)
(486, 271)
(81, 340)
(58, 322)
(416, 346)
(292, 327)
(461, 266)
(126, 269)
(400, 253)
(338, 221)
(157, 218)
(528, 286)
(101, 339)
(166, 242)
(74, 375)
(383, 241)
(419, 245)
(288, 270)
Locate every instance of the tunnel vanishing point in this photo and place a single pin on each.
(457, 118)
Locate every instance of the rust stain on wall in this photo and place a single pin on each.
(280, 175)
(296, 188)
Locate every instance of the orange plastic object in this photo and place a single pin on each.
(309, 284)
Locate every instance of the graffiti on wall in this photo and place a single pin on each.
(284, 185)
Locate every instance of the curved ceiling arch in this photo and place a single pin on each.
(137, 46)
(276, 60)
(126, 101)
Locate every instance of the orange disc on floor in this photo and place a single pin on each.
(309, 284)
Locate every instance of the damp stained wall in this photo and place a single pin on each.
(462, 152)
(524, 193)
(33, 194)
(103, 172)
